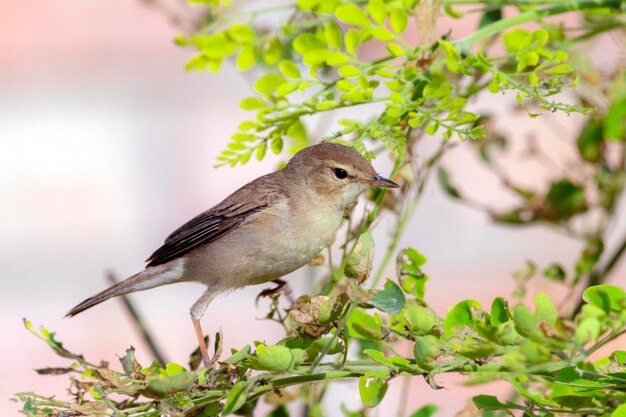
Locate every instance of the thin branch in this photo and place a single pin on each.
(139, 323)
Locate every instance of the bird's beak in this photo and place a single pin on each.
(380, 181)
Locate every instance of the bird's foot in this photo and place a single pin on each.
(268, 292)
(208, 363)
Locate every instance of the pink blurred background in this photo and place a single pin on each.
(107, 145)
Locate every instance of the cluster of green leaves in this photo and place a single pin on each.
(588, 188)
(312, 64)
(543, 356)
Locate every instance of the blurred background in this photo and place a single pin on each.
(107, 145)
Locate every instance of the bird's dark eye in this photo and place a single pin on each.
(340, 173)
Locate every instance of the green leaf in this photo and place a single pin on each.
(217, 46)
(352, 40)
(554, 272)
(315, 57)
(246, 58)
(619, 411)
(426, 411)
(607, 297)
(559, 69)
(286, 89)
(426, 349)
(514, 39)
(398, 20)
(279, 411)
(372, 390)
(446, 183)
(527, 59)
(589, 257)
(278, 358)
(507, 335)
(489, 402)
(252, 103)
(377, 11)
(545, 310)
(382, 34)
(277, 146)
(420, 319)
(432, 128)
(588, 329)
(306, 42)
(499, 312)
(461, 315)
(197, 62)
(615, 121)
(408, 269)
(590, 142)
(241, 33)
(272, 52)
(236, 398)
(362, 325)
(394, 363)
(268, 83)
(348, 71)
(396, 98)
(539, 38)
(525, 323)
(390, 299)
(336, 58)
(326, 105)
(395, 49)
(307, 5)
(239, 355)
(565, 199)
(355, 96)
(452, 12)
(332, 33)
(173, 369)
(490, 16)
(352, 15)
(162, 387)
(297, 132)
(289, 69)
(260, 151)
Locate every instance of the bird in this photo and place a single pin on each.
(266, 229)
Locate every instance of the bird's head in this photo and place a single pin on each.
(336, 171)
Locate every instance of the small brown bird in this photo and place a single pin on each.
(264, 230)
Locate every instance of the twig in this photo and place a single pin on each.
(139, 323)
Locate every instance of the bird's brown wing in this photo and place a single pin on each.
(214, 223)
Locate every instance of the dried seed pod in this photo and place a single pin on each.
(314, 316)
(359, 264)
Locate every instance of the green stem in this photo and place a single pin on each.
(533, 15)
(406, 217)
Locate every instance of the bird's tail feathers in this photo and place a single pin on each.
(149, 278)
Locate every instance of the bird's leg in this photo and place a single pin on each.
(203, 349)
(197, 311)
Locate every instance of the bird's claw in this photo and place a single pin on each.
(268, 292)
